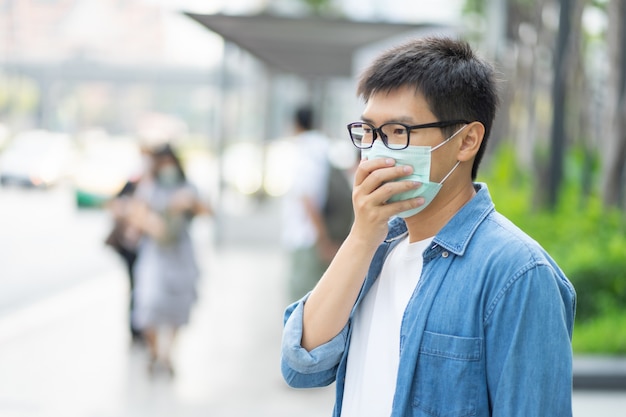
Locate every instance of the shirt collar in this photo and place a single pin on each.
(457, 233)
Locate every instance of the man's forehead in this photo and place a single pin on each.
(403, 105)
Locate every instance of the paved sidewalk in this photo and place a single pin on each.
(70, 356)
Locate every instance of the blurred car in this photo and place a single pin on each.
(4, 135)
(104, 167)
(37, 158)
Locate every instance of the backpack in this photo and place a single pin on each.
(337, 211)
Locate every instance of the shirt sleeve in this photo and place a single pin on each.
(528, 346)
(304, 369)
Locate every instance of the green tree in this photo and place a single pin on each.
(615, 149)
(545, 94)
(319, 7)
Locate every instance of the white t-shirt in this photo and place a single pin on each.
(373, 358)
(310, 177)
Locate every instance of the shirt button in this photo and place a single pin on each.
(444, 254)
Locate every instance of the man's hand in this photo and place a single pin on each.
(327, 310)
(373, 186)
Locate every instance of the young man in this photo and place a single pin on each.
(435, 305)
(304, 233)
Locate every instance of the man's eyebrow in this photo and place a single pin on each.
(405, 119)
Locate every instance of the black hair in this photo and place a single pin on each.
(455, 82)
(166, 151)
(304, 117)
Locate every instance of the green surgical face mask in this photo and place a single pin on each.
(168, 176)
(419, 157)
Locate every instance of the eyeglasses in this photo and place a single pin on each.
(393, 135)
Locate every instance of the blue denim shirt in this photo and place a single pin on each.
(486, 332)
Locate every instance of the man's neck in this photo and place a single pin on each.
(433, 218)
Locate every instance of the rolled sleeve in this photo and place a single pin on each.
(304, 369)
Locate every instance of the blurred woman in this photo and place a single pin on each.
(166, 271)
(124, 237)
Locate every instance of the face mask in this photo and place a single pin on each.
(168, 176)
(419, 157)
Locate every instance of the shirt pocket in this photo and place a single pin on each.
(447, 376)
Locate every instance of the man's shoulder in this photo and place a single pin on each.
(499, 239)
(479, 225)
(499, 228)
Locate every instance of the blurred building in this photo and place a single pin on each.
(110, 31)
(145, 69)
(71, 65)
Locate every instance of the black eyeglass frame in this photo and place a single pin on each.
(378, 131)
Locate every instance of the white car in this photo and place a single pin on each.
(36, 158)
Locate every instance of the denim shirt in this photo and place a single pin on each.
(486, 332)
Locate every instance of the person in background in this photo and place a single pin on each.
(124, 238)
(436, 304)
(166, 271)
(305, 235)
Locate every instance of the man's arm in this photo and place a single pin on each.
(528, 347)
(327, 310)
(304, 369)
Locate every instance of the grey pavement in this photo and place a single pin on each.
(70, 355)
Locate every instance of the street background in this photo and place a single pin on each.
(64, 346)
(83, 82)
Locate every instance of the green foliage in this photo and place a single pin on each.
(318, 6)
(600, 4)
(474, 6)
(480, 6)
(601, 335)
(587, 240)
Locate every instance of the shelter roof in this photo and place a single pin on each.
(305, 46)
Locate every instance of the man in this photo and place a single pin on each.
(435, 305)
(305, 234)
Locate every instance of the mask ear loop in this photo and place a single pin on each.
(450, 173)
(446, 141)
(457, 162)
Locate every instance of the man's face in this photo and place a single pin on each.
(407, 106)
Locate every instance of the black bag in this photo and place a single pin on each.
(338, 212)
(115, 238)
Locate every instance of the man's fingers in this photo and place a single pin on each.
(366, 167)
(377, 201)
(397, 207)
(384, 192)
(373, 174)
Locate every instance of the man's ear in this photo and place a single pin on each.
(472, 139)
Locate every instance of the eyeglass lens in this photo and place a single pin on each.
(394, 136)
